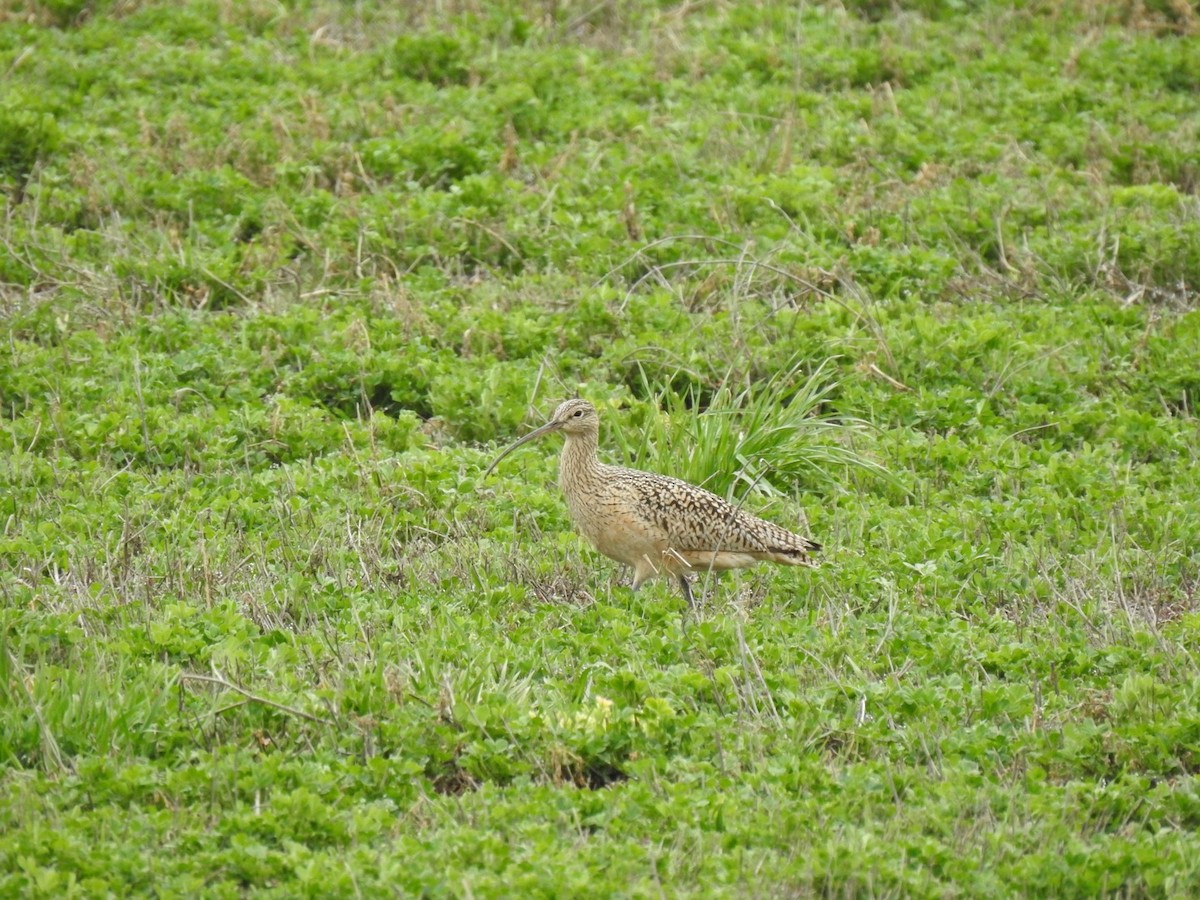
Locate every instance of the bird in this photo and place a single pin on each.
(659, 525)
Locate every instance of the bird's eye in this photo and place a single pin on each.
(578, 413)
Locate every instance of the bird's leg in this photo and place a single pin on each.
(687, 590)
(643, 569)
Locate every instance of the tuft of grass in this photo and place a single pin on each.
(770, 437)
(26, 139)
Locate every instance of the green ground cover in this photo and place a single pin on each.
(278, 280)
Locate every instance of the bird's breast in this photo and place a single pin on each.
(610, 521)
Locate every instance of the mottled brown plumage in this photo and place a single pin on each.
(657, 524)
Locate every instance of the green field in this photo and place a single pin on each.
(278, 281)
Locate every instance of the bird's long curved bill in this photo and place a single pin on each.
(536, 433)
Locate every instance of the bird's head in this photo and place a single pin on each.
(573, 417)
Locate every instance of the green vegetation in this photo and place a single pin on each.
(277, 280)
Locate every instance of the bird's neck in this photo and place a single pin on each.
(579, 462)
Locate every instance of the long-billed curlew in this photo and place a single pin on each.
(658, 525)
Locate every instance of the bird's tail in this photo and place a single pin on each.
(793, 556)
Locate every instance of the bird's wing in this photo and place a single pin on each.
(693, 519)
